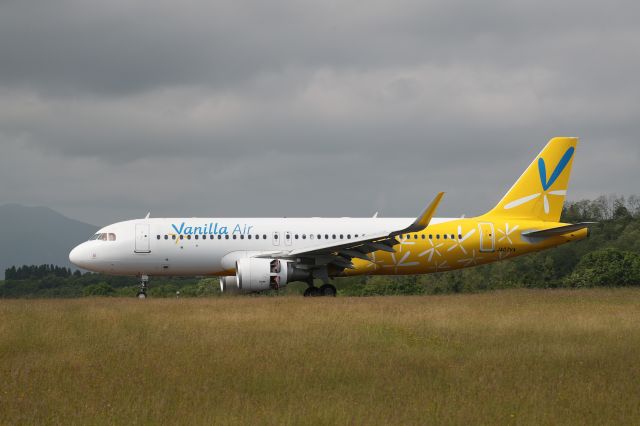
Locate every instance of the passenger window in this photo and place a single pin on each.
(242, 237)
(423, 236)
(326, 236)
(196, 237)
(188, 237)
(319, 236)
(264, 236)
(341, 236)
(334, 236)
(235, 236)
(304, 236)
(249, 236)
(453, 237)
(348, 236)
(296, 236)
(173, 237)
(182, 237)
(211, 237)
(437, 236)
(226, 237)
(166, 237)
(158, 236)
(444, 236)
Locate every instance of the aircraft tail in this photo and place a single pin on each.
(540, 192)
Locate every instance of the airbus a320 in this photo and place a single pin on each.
(257, 254)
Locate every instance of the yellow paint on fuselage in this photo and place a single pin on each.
(430, 251)
(533, 203)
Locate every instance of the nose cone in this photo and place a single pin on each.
(76, 256)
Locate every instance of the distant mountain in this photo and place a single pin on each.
(38, 235)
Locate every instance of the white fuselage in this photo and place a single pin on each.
(211, 246)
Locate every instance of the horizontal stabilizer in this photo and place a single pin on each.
(554, 232)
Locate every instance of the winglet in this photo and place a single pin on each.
(423, 220)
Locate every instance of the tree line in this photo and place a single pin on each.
(610, 258)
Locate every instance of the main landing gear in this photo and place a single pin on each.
(325, 290)
(142, 293)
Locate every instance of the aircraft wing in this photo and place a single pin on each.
(341, 254)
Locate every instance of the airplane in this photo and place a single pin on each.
(257, 254)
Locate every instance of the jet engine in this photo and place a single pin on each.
(229, 284)
(257, 274)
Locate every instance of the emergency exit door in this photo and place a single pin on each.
(142, 238)
(487, 237)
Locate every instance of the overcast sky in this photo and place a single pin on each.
(109, 109)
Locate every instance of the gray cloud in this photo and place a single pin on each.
(110, 109)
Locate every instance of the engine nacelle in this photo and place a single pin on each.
(257, 274)
(229, 284)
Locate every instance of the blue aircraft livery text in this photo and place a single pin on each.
(211, 228)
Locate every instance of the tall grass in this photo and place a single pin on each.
(521, 357)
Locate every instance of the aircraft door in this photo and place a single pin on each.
(142, 244)
(487, 237)
(287, 238)
(276, 238)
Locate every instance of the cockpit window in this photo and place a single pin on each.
(104, 237)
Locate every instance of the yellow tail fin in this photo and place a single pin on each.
(540, 192)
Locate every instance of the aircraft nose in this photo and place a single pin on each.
(76, 256)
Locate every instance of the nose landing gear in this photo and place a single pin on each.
(142, 293)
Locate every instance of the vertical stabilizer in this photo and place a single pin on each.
(540, 192)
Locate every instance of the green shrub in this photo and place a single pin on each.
(607, 267)
(100, 289)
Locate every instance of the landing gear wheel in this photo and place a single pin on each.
(142, 293)
(312, 292)
(328, 290)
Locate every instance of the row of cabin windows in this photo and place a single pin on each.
(211, 237)
(296, 236)
(319, 236)
(257, 236)
(431, 236)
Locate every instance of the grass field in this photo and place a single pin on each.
(508, 357)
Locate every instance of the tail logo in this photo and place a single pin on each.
(546, 184)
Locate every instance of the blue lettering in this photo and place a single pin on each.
(178, 231)
(210, 228)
